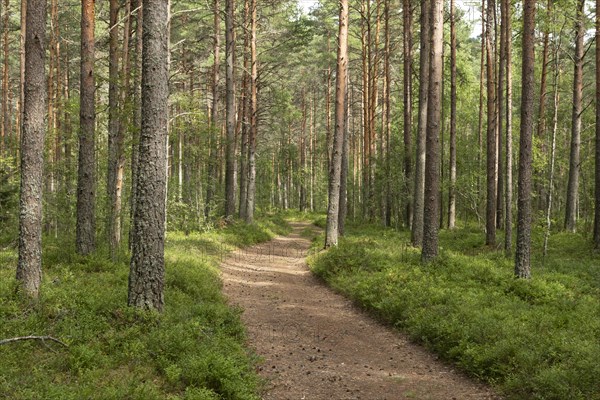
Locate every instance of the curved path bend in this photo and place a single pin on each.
(315, 344)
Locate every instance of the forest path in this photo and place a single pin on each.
(317, 345)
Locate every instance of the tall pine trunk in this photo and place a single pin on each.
(230, 110)
(523, 253)
(29, 267)
(332, 228)
(434, 114)
(86, 172)
(146, 277)
(574, 156)
(419, 192)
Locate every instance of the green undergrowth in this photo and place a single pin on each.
(193, 350)
(535, 339)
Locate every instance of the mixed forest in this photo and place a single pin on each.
(459, 139)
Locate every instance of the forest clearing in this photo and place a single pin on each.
(303, 199)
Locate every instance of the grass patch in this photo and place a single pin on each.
(192, 351)
(537, 339)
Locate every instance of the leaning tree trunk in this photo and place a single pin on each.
(29, 267)
(574, 157)
(522, 256)
(434, 113)
(146, 277)
(419, 192)
(331, 238)
(86, 176)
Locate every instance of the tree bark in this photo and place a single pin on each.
(332, 228)
(509, 151)
(490, 238)
(253, 117)
(434, 113)
(574, 156)
(230, 110)
(213, 127)
(419, 192)
(407, 102)
(29, 267)
(597, 141)
(146, 278)
(522, 256)
(86, 173)
(452, 186)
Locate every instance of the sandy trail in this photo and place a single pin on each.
(316, 345)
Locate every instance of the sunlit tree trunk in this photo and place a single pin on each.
(332, 228)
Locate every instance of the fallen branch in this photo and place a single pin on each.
(42, 338)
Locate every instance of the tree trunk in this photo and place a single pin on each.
(490, 238)
(509, 152)
(137, 115)
(574, 157)
(522, 256)
(434, 113)
(213, 127)
(597, 160)
(253, 118)
(146, 278)
(230, 110)
(115, 136)
(452, 186)
(407, 102)
(332, 228)
(86, 173)
(29, 267)
(419, 192)
(6, 140)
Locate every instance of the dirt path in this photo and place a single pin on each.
(317, 345)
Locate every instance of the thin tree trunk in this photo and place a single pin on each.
(29, 267)
(419, 192)
(332, 228)
(509, 152)
(522, 256)
(490, 238)
(574, 157)
(230, 110)
(250, 198)
(146, 278)
(434, 111)
(115, 137)
(213, 128)
(86, 176)
(452, 186)
(552, 153)
(407, 101)
(597, 141)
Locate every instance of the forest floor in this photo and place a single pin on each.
(315, 344)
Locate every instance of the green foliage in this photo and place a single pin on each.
(535, 339)
(194, 350)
